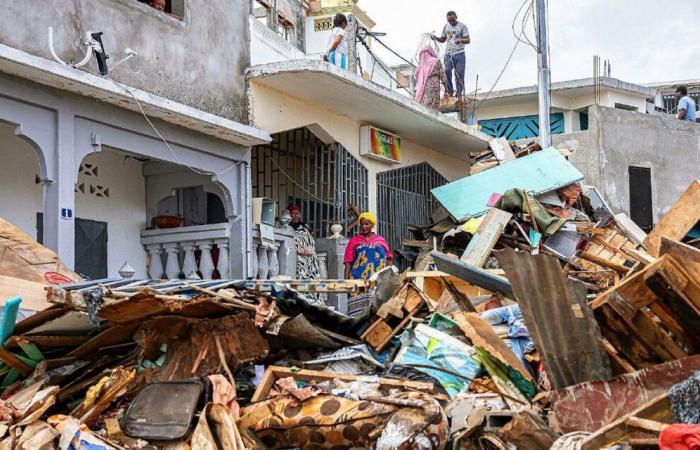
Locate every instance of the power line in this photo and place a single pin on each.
(381, 64)
(374, 35)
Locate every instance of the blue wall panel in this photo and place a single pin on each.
(523, 127)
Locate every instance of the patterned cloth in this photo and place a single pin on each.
(307, 266)
(334, 422)
(367, 255)
(437, 79)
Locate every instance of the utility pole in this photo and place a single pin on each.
(544, 76)
(351, 37)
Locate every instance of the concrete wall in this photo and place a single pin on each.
(275, 112)
(22, 197)
(198, 61)
(618, 139)
(124, 209)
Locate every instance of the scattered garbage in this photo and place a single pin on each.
(535, 318)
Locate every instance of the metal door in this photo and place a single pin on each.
(91, 248)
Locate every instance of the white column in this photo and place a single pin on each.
(323, 265)
(206, 264)
(189, 264)
(263, 264)
(155, 269)
(59, 195)
(223, 263)
(273, 262)
(172, 264)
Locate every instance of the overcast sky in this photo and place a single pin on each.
(645, 40)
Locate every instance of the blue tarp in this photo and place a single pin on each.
(540, 172)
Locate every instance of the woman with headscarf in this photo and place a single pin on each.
(367, 252)
(430, 75)
(307, 262)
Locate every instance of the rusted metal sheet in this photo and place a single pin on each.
(591, 405)
(558, 318)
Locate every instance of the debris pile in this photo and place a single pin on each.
(534, 318)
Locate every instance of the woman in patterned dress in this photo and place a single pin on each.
(430, 75)
(367, 252)
(307, 262)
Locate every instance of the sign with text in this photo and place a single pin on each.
(323, 24)
(380, 144)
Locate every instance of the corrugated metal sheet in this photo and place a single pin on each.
(540, 172)
(558, 318)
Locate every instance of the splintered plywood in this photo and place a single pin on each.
(23, 257)
(485, 238)
(682, 217)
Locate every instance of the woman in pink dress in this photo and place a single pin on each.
(367, 252)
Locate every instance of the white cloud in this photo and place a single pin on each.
(645, 40)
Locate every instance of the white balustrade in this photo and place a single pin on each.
(181, 245)
(274, 259)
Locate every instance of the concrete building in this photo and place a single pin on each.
(665, 98)
(641, 163)
(322, 118)
(287, 30)
(89, 161)
(513, 113)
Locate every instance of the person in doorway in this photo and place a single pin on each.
(430, 75)
(337, 52)
(686, 105)
(456, 35)
(308, 267)
(367, 252)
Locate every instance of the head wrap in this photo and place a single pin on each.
(369, 217)
(294, 208)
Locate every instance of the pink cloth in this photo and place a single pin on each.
(225, 393)
(358, 239)
(426, 64)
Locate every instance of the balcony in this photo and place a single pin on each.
(179, 252)
(266, 46)
(204, 250)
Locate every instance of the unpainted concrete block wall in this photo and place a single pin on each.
(618, 139)
(199, 60)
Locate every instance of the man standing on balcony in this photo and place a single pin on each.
(456, 35)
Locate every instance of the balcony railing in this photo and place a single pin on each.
(267, 46)
(178, 252)
(273, 259)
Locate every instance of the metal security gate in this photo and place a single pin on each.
(404, 198)
(323, 179)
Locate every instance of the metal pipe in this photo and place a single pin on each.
(543, 75)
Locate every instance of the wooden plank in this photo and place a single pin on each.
(604, 262)
(501, 149)
(682, 252)
(482, 243)
(630, 228)
(274, 373)
(646, 424)
(14, 362)
(647, 329)
(680, 219)
(658, 408)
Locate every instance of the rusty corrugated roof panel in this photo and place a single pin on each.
(560, 322)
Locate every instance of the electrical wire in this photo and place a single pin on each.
(376, 38)
(381, 64)
(337, 204)
(172, 152)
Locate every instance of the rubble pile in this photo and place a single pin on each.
(534, 318)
